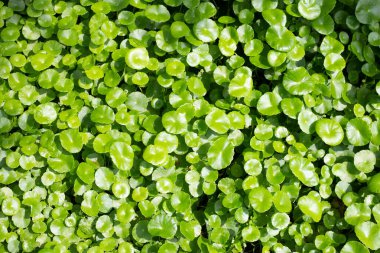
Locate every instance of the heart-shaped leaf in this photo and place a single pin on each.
(311, 206)
(368, 233)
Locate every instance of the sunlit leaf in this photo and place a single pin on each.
(220, 154)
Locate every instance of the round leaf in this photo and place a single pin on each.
(280, 38)
(260, 199)
(163, 226)
(157, 13)
(366, 11)
(206, 30)
(358, 132)
(268, 104)
(329, 131)
(137, 58)
(218, 121)
(122, 155)
(220, 153)
(71, 140)
(297, 81)
(45, 113)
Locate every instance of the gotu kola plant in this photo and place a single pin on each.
(189, 126)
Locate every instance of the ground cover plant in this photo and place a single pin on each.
(190, 126)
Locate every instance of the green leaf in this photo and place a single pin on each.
(164, 185)
(334, 62)
(366, 11)
(261, 5)
(311, 206)
(41, 61)
(5, 67)
(324, 24)
(169, 141)
(147, 208)
(280, 220)
(140, 232)
(307, 120)
(174, 122)
(240, 86)
(10, 206)
(268, 104)
(253, 167)
(304, 170)
(232, 201)
(168, 248)
(163, 226)
(329, 131)
(250, 233)
(331, 45)
(357, 213)
(368, 232)
(374, 183)
(179, 29)
(190, 229)
(103, 114)
(260, 199)
(358, 132)
(68, 37)
(137, 58)
(45, 113)
(297, 81)
(291, 107)
(156, 155)
(309, 9)
(280, 38)
(220, 153)
(122, 155)
(365, 161)
(104, 178)
(94, 73)
(253, 47)
(71, 140)
(137, 101)
(86, 172)
(196, 86)
(376, 212)
(274, 17)
(117, 5)
(218, 121)
(180, 201)
(275, 58)
(354, 246)
(62, 163)
(206, 30)
(157, 13)
(219, 235)
(282, 202)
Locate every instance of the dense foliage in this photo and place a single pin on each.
(190, 126)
